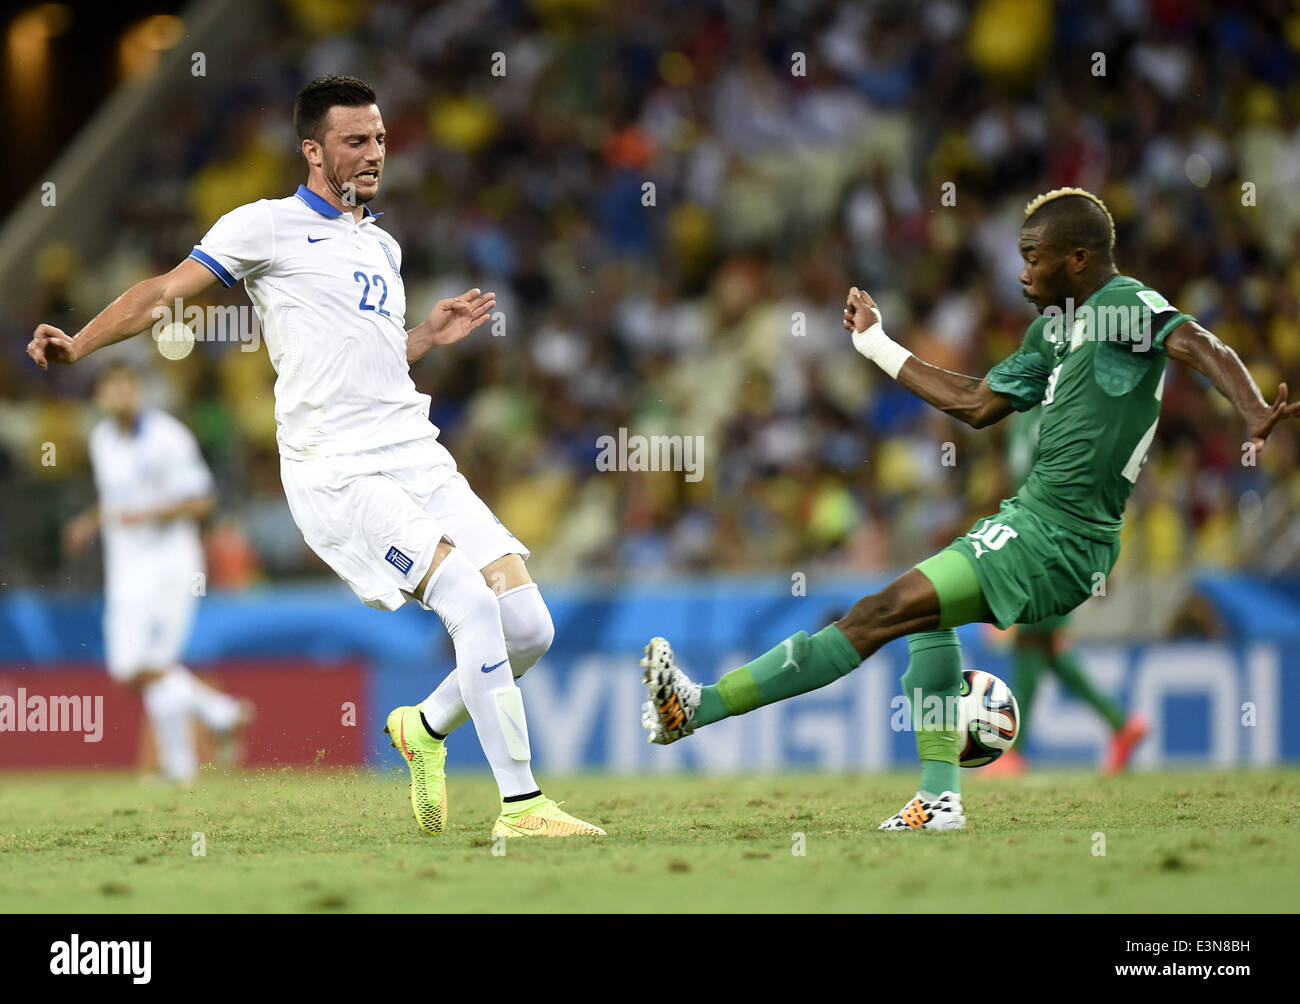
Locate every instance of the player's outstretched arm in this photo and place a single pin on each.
(966, 398)
(1200, 349)
(450, 321)
(128, 315)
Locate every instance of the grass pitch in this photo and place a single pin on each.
(331, 841)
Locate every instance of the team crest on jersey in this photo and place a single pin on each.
(389, 255)
(398, 560)
(1079, 333)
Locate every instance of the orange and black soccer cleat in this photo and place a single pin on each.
(669, 713)
(921, 813)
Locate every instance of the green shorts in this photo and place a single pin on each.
(1047, 626)
(1027, 569)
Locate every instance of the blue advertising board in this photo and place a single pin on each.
(1221, 703)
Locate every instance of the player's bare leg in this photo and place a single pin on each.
(907, 605)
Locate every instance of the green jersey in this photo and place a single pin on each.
(1022, 442)
(1099, 375)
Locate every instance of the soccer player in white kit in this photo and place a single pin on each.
(153, 488)
(369, 485)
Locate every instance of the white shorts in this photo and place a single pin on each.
(377, 517)
(147, 625)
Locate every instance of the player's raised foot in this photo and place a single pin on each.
(926, 812)
(669, 713)
(427, 758)
(540, 817)
(1009, 764)
(1124, 742)
(228, 746)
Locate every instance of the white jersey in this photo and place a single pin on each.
(329, 297)
(154, 465)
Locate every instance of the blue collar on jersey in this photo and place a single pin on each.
(325, 209)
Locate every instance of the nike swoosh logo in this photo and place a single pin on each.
(487, 669)
(316, 240)
(515, 725)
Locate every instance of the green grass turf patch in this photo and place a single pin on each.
(327, 841)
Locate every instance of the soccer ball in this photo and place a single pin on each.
(988, 718)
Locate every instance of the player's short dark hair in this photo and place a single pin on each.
(118, 369)
(1073, 218)
(314, 102)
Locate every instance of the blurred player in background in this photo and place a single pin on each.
(1095, 359)
(153, 489)
(1042, 647)
(374, 492)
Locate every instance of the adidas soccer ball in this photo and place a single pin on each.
(988, 718)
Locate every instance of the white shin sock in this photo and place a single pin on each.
(458, 594)
(168, 703)
(528, 630)
(218, 711)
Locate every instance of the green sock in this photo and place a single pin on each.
(1075, 679)
(934, 675)
(799, 664)
(1030, 662)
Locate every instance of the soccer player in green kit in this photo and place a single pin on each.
(1095, 360)
(1039, 648)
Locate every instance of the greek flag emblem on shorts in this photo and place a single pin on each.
(398, 560)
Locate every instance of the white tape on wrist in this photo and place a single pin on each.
(880, 348)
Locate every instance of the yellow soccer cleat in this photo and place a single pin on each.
(540, 817)
(427, 758)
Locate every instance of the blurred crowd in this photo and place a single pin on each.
(671, 201)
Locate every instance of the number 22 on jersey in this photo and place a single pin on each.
(378, 280)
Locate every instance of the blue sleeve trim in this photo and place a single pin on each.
(213, 266)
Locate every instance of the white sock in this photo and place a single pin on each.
(528, 630)
(458, 594)
(218, 711)
(527, 625)
(445, 709)
(167, 702)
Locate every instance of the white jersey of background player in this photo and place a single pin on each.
(153, 487)
(369, 485)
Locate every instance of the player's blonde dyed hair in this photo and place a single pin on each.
(1039, 201)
